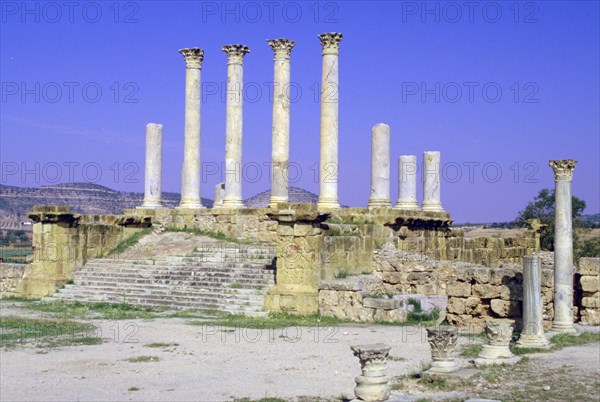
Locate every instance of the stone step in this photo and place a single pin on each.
(232, 278)
(184, 270)
(140, 298)
(183, 265)
(213, 300)
(197, 307)
(184, 290)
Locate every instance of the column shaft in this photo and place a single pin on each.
(328, 166)
(153, 169)
(280, 153)
(431, 182)
(407, 182)
(380, 167)
(233, 129)
(533, 324)
(190, 174)
(563, 246)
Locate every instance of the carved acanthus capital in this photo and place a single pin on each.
(282, 47)
(236, 53)
(563, 169)
(499, 333)
(331, 42)
(193, 57)
(443, 341)
(371, 354)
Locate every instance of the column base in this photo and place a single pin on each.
(410, 205)
(278, 200)
(191, 205)
(482, 362)
(328, 202)
(533, 341)
(233, 203)
(442, 367)
(563, 328)
(379, 203)
(437, 207)
(151, 205)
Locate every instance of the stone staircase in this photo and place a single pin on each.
(228, 279)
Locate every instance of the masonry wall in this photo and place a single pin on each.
(10, 277)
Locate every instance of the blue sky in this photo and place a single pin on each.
(498, 89)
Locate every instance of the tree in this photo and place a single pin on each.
(542, 208)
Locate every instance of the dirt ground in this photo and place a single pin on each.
(206, 363)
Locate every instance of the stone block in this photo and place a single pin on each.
(456, 305)
(302, 230)
(381, 303)
(591, 301)
(589, 266)
(397, 315)
(590, 283)
(461, 289)
(481, 275)
(285, 230)
(505, 308)
(486, 291)
(590, 316)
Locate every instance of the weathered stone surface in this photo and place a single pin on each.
(460, 289)
(589, 266)
(456, 305)
(486, 291)
(591, 301)
(504, 308)
(381, 303)
(397, 315)
(590, 283)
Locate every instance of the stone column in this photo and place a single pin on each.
(380, 167)
(328, 164)
(280, 153)
(497, 350)
(532, 335)
(219, 195)
(407, 182)
(233, 128)
(373, 384)
(443, 341)
(563, 246)
(431, 182)
(190, 174)
(153, 170)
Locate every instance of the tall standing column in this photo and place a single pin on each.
(190, 175)
(431, 182)
(153, 170)
(532, 334)
(563, 246)
(380, 167)
(280, 153)
(233, 128)
(407, 182)
(328, 166)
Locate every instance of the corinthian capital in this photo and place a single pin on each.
(331, 42)
(563, 169)
(236, 53)
(193, 57)
(282, 47)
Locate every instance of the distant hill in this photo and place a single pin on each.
(89, 198)
(297, 196)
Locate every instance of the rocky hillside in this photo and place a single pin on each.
(89, 198)
(297, 196)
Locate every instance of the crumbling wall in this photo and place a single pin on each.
(587, 285)
(10, 276)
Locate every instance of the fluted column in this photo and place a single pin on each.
(407, 182)
(190, 174)
(328, 166)
(233, 129)
(431, 182)
(280, 153)
(563, 245)
(153, 169)
(532, 334)
(380, 167)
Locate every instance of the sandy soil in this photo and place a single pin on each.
(215, 364)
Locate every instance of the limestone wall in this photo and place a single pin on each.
(587, 295)
(10, 276)
(63, 241)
